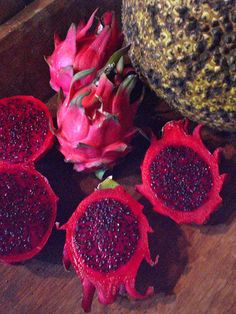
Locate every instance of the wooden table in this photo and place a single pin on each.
(196, 273)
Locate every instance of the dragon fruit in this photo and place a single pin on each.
(25, 129)
(106, 241)
(83, 48)
(181, 178)
(27, 214)
(95, 123)
(28, 203)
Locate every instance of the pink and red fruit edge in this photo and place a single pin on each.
(28, 202)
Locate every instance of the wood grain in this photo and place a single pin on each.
(9, 8)
(196, 272)
(27, 38)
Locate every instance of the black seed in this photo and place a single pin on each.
(180, 178)
(27, 207)
(24, 130)
(112, 230)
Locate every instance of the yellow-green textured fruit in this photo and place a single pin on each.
(186, 50)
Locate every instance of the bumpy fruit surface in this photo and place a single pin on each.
(186, 51)
(27, 214)
(106, 240)
(180, 176)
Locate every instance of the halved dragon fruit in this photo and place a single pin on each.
(27, 213)
(28, 204)
(25, 129)
(180, 176)
(106, 240)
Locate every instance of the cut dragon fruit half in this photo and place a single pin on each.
(28, 204)
(106, 240)
(27, 213)
(180, 176)
(25, 129)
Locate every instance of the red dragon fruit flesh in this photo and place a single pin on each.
(180, 176)
(27, 213)
(25, 129)
(106, 240)
(28, 204)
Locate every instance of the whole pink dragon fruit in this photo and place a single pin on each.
(83, 49)
(95, 123)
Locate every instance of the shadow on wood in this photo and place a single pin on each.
(169, 242)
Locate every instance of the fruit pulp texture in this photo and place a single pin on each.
(23, 130)
(180, 178)
(107, 235)
(25, 212)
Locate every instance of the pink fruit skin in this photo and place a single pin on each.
(28, 203)
(83, 49)
(109, 284)
(175, 133)
(94, 132)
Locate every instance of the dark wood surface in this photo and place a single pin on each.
(28, 37)
(9, 8)
(196, 273)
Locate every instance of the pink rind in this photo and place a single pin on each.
(53, 198)
(175, 132)
(109, 284)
